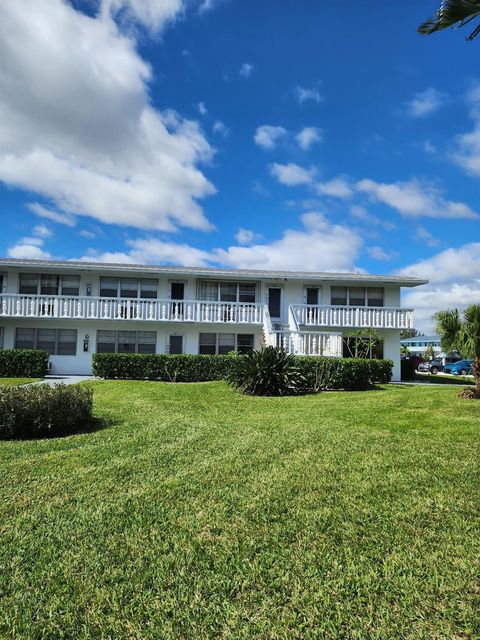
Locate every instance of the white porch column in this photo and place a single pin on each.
(391, 351)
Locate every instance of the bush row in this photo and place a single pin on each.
(41, 411)
(319, 373)
(165, 367)
(23, 363)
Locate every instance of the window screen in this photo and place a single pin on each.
(49, 284)
(375, 296)
(228, 291)
(208, 290)
(106, 341)
(128, 288)
(70, 285)
(46, 340)
(25, 339)
(148, 288)
(67, 342)
(126, 341)
(245, 342)
(339, 295)
(357, 296)
(312, 295)
(226, 343)
(207, 343)
(108, 287)
(246, 292)
(28, 283)
(147, 341)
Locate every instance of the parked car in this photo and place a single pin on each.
(437, 364)
(462, 367)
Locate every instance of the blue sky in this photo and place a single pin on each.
(295, 134)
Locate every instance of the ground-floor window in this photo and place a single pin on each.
(222, 343)
(126, 341)
(1, 337)
(57, 342)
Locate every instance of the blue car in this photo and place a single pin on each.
(462, 368)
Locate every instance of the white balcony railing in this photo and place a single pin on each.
(90, 308)
(352, 317)
(305, 343)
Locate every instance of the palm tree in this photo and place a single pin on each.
(451, 13)
(462, 334)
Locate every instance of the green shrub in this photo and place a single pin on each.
(408, 369)
(23, 363)
(165, 367)
(349, 374)
(268, 372)
(41, 411)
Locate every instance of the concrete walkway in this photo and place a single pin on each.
(53, 380)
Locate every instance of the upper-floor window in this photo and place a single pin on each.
(227, 291)
(57, 342)
(128, 287)
(2, 282)
(312, 295)
(47, 284)
(357, 296)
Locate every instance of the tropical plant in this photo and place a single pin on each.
(267, 372)
(462, 334)
(404, 350)
(429, 353)
(361, 343)
(451, 13)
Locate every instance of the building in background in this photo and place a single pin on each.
(418, 345)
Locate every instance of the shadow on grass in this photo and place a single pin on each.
(92, 426)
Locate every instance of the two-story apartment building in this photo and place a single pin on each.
(74, 309)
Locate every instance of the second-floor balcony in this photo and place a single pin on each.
(150, 310)
(314, 316)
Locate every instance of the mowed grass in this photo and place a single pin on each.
(196, 512)
(16, 382)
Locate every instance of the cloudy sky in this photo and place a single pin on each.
(273, 134)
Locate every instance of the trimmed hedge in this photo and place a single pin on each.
(164, 367)
(23, 363)
(42, 411)
(350, 374)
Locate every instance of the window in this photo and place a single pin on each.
(1, 337)
(375, 296)
(70, 285)
(127, 288)
(126, 341)
(227, 291)
(28, 284)
(357, 296)
(57, 342)
(47, 284)
(222, 343)
(339, 295)
(108, 287)
(2, 282)
(148, 288)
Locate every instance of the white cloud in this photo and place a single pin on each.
(318, 245)
(360, 213)
(268, 136)
(292, 174)
(424, 235)
(467, 146)
(221, 128)
(246, 236)
(85, 233)
(425, 103)
(454, 276)
(44, 212)
(336, 188)
(202, 109)
(246, 70)
(380, 254)
(79, 128)
(415, 199)
(304, 95)
(30, 247)
(308, 136)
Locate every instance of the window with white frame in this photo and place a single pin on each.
(57, 342)
(128, 287)
(357, 296)
(47, 284)
(222, 343)
(109, 341)
(227, 291)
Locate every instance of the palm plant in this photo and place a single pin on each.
(462, 334)
(451, 13)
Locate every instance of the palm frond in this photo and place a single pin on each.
(449, 327)
(451, 13)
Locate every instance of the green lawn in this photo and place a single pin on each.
(16, 381)
(198, 513)
(441, 378)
